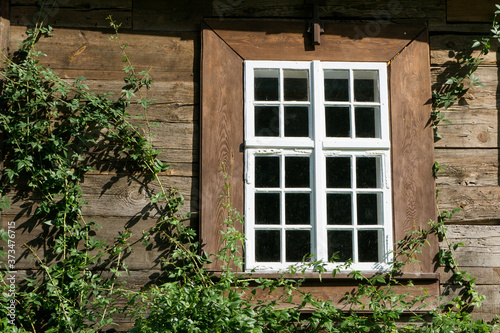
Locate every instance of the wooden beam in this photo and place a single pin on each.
(470, 11)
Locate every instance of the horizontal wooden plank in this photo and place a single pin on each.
(92, 50)
(470, 11)
(74, 14)
(158, 15)
(121, 195)
(489, 308)
(140, 257)
(479, 204)
(483, 275)
(447, 49)
(468, 167)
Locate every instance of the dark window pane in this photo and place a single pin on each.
(267, 121)
(338, 172)
(297, 121)
(267, 171)
(267, 245)
(296, 85)
(365, 122)
(367, 208)
(365, 86)
(340, 243)
(266, 85)
(337, 85)
(368, 250)
(296, 171)
(366, 172)
(297, 208)
(337, 122)
(267, 208)
(338, 208)
(298, 244)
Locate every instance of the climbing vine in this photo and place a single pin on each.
(56, 132)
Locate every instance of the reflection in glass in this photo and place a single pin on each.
(365, 86)
(338, 172)
(368, 245)
(368, 204)
(267, 171)
(297, 208)
(367, 172)
(338, 209)
(296, 121)
(337, 122)
(266, 85)
(340, 243)
(366, 122)
(296, 171)
(337, 85)
(267, 208)
(296, 85)
(267, 245)
(298, 245)
(267, 121)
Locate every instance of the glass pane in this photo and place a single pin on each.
(267, 171)
(296, 85)
(338, 208)
(297, 121)
(365, 86)
(338, 172)
(367, 172)
(337, 85)
(337, 122)
(266, 84)
(340, 243)
(298, 245)
(366, 122)
(267, 121)
(296, 171)
(267, 208)
(267, 245)
(368, 208)
(297, 208)
(368, 245)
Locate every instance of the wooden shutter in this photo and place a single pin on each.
(226, 43)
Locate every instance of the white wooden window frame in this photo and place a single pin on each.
(318, 147)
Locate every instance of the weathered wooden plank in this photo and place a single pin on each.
(447, 49)
(122, 195)
(489, 308)
(412, 156)
(470, 11)
(468, 167)
(170, 15)
(483, 275)
(479, 204)
(88, 14)
(284, 40)
(92, 50)
(4, 26)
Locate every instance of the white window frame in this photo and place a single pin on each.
(319, 147)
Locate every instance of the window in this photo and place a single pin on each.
(396, 144)
(317, 154)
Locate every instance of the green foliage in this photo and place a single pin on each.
(59, 131)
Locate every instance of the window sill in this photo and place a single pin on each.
(344, 276)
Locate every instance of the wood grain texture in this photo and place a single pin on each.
(284, 40)
(87, 51)
(411, 145)
(74, 14)
(470, 11)
(222, 135)
(4, 25)
(446, 49)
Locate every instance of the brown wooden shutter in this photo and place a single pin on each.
(221, 137)
(226, 43)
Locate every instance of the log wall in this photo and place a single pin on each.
(165, 35)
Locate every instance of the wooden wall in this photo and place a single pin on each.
(165, 35)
